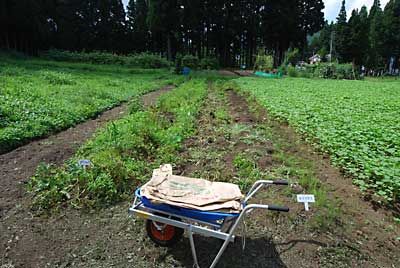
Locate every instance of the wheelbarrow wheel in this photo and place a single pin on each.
(162, 234)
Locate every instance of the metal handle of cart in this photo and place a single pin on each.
(140, 210)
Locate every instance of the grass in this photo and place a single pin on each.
(263, 139)
(123, 155)
(39, 97)
(356, 122)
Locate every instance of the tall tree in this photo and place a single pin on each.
(137, 25)
(109, 25)
(24, 25)
(391, 28)
(163, 19)
(311, 18)
(342, 32)
(358, 36)
(375, 58)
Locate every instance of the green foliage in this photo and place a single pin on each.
(124, 154)
(264, 62)
(247, 170)
(193, 63)
(325, 70)
(190, 61)
(58, 78)
(146, 60)
(292, 56)
(209, 63)
(332, 71)
(356, 122)
(178, 63)
(40, 97)
(142, 60)
(292, 71)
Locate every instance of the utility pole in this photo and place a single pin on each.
(331, 46)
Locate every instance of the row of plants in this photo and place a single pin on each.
(327, 70)
(142, 60)
(356, 122)
(123, 155)
(39, 97)
(194, 63)
(290, 65)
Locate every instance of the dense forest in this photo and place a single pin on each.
(232, 31)
(367, 38)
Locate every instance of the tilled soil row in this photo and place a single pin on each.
(358, 236)
(28, 241)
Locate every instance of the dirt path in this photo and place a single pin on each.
(235, 72)
(17, 166)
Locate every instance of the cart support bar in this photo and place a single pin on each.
(259, 184)
(183, 225)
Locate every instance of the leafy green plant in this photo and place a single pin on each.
(124, 154)
(292, 56)
(190, 61)
(356, 122)
(264, 62)
(331, 71)
(39, 97)
(209, 63)
(143, 60)
(57, 78)
(292, 71)
(178, 63)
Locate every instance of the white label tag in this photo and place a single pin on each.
(306, 198)
(84, 162)
(309, 198)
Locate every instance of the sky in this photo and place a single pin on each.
(332, 7)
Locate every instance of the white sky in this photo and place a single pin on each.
(332, 7)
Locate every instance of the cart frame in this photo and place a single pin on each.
(206, 228)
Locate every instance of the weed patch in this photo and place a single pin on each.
(123, 155)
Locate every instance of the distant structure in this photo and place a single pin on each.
(315, 59)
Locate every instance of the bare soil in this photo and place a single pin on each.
(235, 72)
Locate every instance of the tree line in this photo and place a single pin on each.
(230, 30)
(370, 39)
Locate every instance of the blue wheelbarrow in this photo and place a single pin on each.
(165, 224)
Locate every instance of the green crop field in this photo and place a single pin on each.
(356, 122)
(124, 153)
(39, 97)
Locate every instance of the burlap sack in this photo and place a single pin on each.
(190, 192)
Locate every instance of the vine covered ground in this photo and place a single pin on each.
(356, 122)
(60, 214)
(39, 97)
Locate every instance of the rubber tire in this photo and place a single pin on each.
(178, 233)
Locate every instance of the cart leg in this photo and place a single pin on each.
(196, 264)
(232, 230)
(220, 252)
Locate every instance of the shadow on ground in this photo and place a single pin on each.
(259, 252)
